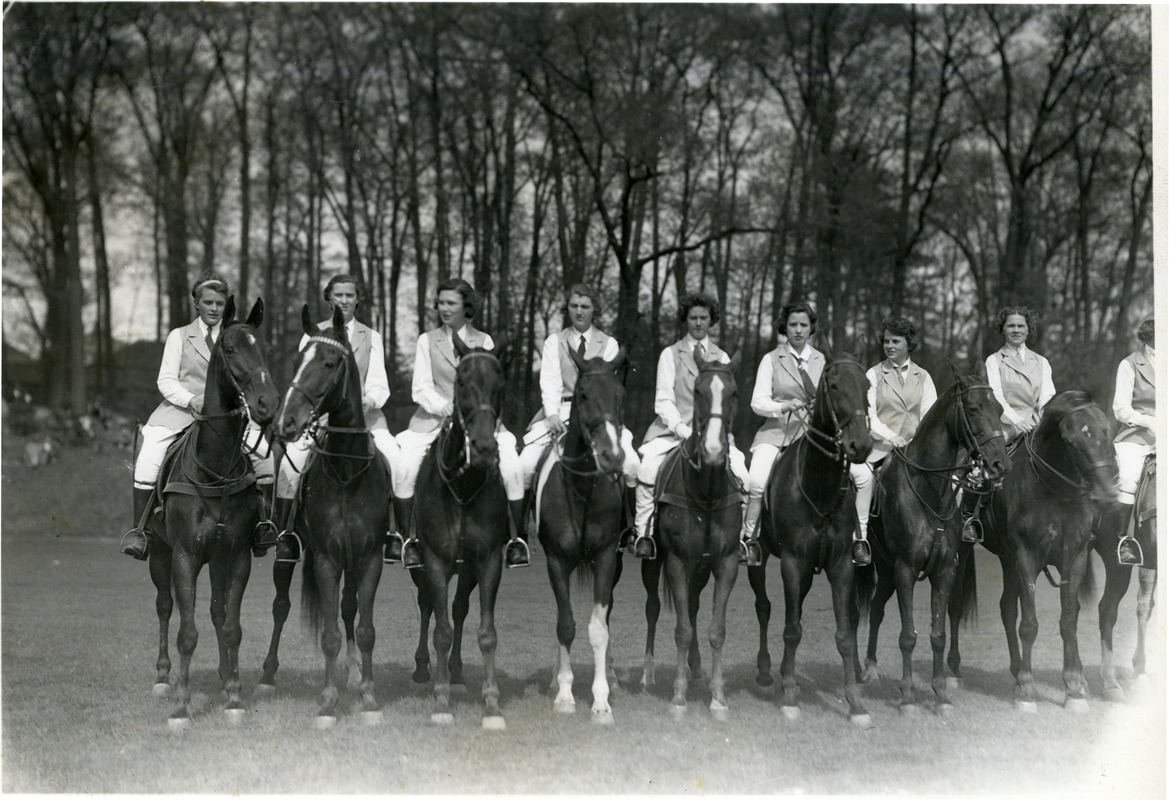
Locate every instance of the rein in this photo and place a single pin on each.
(1033, 458)
(835, 439)
(459, 420)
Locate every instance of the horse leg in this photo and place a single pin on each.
(651, 573)
(796, 583)
(941, 587)
(490, 571)
(725, 574)
(437, 581)
(369, 576)
(699, 577)
(840, 575)
(1146, 593)
(559, 574)
(160, 574)
(679, 583)
(1021, 599)
(907, 641)
(1116, 581)
(328, 577)
(348, 617)
(1009, 613)
(1069, 617)
(235, 580)
(884, 590)
(964, 591)
(281, 578)
(425, 609)
(757, 578)
(603, 577)
(186, 574)
(460, 607)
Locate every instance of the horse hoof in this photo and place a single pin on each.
(909, 709)
(944, 709)
(565, 706)
(372, 718)
(952, 682)
(870, 674)
(603, 717)
(719, 711)
(1076, 705)
(264, 690)
(764, 680)
(324, 722)
(862, 721)
(494, 724)
(1114, 694)
(677, 712)
(235, 716)
(442, 718)
(178, 724)
(458, 689)
(1026, 706)
(160, 690)
(791, 713)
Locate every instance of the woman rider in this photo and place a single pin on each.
(433, 390)
(900, 393)
(182, 377)
(785, 387)
(1019, 377)
(1135, 405)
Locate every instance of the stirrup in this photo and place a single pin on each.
(299, 547)
(653, 548)
(391, 537)
(972, 531)
(264, 538)
(1140, 559)
(750, 553)
(625, 543)
(527, 553)
(412, 542)
(132, 535)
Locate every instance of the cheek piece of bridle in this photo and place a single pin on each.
(315, 404)
(836, 439)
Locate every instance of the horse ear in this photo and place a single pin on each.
(736, 359)
(619, 362)
(307, 321)
(339, 323)
(461, 348)
(229, 311)
(257, 314)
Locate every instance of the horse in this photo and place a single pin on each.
(341, 517)
(579, 522)
(808, 521)
(1142, 516)
(699, 514)
(461, 514)
(918, 529)
(1042, 516)
(211, 508)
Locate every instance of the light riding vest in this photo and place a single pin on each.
(442, 372)
(1144, 400)
(786, 384)
(898, 404)
(1022, 381)
(685, 373)
(193, 366)
(595, 342)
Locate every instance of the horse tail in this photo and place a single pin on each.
(585, 571)
(310, 597)
(864, 586)
(1087, 591)
(966, 595)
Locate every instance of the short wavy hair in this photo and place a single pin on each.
(1026, 312)
(210, 280)
(801, 307)
(1145, 331)
(900, 326)
(345, 277)
(694, 299)
(470, 296)
(584, 290)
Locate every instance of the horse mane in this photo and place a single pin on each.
(1061, 405)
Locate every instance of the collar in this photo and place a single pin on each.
(1021, 352)
(1150, 354)
(204, 328)
(804, 354)
(889, 366)
(691, 343)
(462, 332)
(574, 336)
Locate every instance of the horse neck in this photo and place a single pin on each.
(345, 412)
(822, 474)
(1047, 444)
(225, 429)
(934, 444)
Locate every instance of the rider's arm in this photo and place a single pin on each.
(1122, 399)
(665, 403)
(878, 428)
(929, 395)
(1046, 386)
(422, 390)
(376, 391)
(996, 386)
(762, 403)
(168, 371)
(551, 381)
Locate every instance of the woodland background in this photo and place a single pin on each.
(932, 161)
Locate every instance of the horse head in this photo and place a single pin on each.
(977, 425)
(1074, 437)
(597, 403)
(715, 393)
(238, 368)
(841, 408)
(322, 378)
(478, 397)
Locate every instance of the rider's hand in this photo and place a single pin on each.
(197, 404)
(367, 404)
(684, 431)
(555, 425)
(792, 406)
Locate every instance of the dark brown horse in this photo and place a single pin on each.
(1110, 519)
(808, 521)
(211, 508)
(580, 506)
(461, 515)
(341, 516)
(1042, 517)
(917, 531)
(699, 513)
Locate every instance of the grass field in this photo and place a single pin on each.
(79, 643)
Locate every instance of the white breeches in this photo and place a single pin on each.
(414, 444)
(156, 439)
(298, 457)
(538, 438)
(653, 453)
(1130, 459)
(862, 478)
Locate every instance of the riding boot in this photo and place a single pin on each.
(628, 529)
(644, 546)
(517, 554)
(862, 555)
(287, 543)
(403, 515)
(394, 541)
(266, 530)
(971, 525)
(750, 553)
(135, 543)
(1128, 549)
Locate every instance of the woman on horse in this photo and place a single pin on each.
(558, 381)
(433, 390)
(343, 292)
(785, 387)
(674, 404)
(1019, 377)
(900, 393)
(182, 378)
(1135, 405)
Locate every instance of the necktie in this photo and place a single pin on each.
(210, 341)
(699, 353)
(580, 348)
(809, 387)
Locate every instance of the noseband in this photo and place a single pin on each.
(340, 375)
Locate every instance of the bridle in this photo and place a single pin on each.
(578, 465)
(835, 440)
(460, 419)
(1034, 458)
(692, 458)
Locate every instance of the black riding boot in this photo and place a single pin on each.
(404, 515)
(287, 542)
(394, 541)
(517, 554)
(135, 543)
(266, 530)
(628, 530)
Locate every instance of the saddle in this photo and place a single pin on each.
(732, 496)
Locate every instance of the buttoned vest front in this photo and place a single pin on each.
(1021, 382)
(192, 377)
(786, 384)
(685, 373)
(1144, 400)
(442, 373)
(898, 405)
(594, 347)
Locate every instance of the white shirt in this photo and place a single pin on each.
(552, 387)
(665, 402)
(172, 357)
(1122, 399)
(1046, 387)
(375, 391)
(422, 389)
